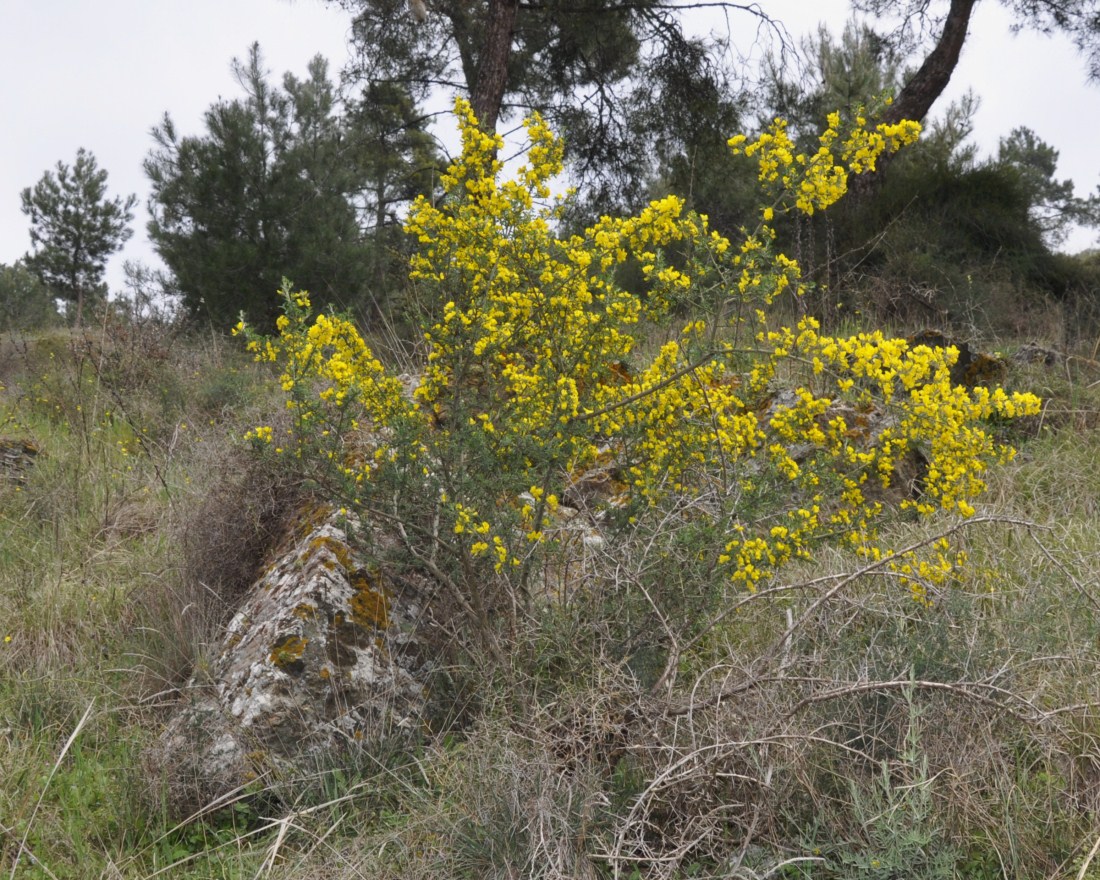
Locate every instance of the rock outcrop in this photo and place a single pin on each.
(321, 658)
(1033, 353)
(16, 458)
(972, 368)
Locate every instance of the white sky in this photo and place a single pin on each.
(101, 75)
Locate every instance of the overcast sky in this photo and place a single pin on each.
(101, 75)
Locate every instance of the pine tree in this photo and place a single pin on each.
(74, 229)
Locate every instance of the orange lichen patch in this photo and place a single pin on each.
(369, 607)
(312, 516)
(859, 429)
(334, 546)
(325, 673)
(288, 650)
(304, 611)
(259, 763)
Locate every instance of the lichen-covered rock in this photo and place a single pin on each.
(1033, 353)
(322, 657)
(971, 368)
(16, 458)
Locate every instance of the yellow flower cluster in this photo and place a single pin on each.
(818, 180)
(927, 411)
(533, 322)
(477, 533)
(878, 403)
(334, 383)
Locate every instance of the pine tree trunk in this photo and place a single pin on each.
(928, 83)
(492, 75)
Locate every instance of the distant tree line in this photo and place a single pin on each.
(288, 182)
(309, 180)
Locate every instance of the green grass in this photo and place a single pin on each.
(87, 550)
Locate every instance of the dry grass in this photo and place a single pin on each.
(649, 724)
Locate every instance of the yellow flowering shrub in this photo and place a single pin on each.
(533, 378)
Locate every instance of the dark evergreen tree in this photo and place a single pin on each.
(74, 229)
(399, 160)
(259, 197)
(282, 184)
(1054, 205)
